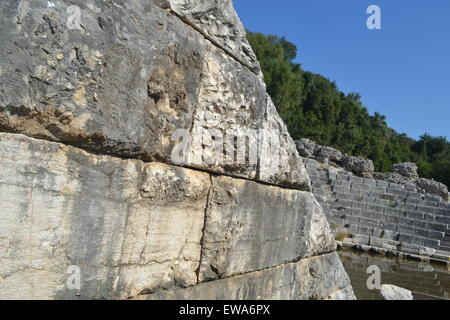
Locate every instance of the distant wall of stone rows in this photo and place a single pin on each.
(379, 213)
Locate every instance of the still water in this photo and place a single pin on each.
(424, 279)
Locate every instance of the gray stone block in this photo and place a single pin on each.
(418, 240)
(381, 183)
(395, 185)
(353, 229)
(419, 224)
(390, 235)
(392, 219)
(302, 280)
(426, 209)
(415, 195)
(376, 242)
(436, 226)
(436, 235)
(343, 177)
(410, 248)
(359, 205)
(405, 221)
(242, 234)
(375, 208)
(405, 229)
(365, 230)
(431, 197)
(368, 223)
(344, 203)
(432, 243)
(398, 192)
(363, 239)
(356, 180)
(413, 201)
(414, 215)
(395, 212)
(377, 232)
(352, 220)
(404, 238)
(382, 202)
(444, 220)
(429, 217)
(421, 232)
(361, 187)
(390, 227)
(341, 189)
(432, 204)
(410, 207)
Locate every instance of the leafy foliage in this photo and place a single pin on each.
(313, 107)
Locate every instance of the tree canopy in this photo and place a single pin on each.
(313, 107)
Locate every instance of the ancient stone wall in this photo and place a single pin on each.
(96, 97)
(381, 214)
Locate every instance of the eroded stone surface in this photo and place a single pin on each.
(128, 226)
(317, 278)
(250, 226)
(391, 292)
(220, 23)
(129, 77)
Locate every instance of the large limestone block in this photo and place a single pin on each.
(126, 77)
(317, 278)
(218, 21)
(127, 226)
(250, 226)
(236, 129)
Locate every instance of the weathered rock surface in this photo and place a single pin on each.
(129, 226)
(391, 292)
(131, 76)
(359, 166)
(218, 21)
(394, 178)
(116, 121)
(132, 227)
(433, 187)
(329, 153)
(308, 279)
(306, 147)
(406, 169)
(245, 232)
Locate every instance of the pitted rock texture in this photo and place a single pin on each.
(129, 226)
(359, 166)
(433, 187)
(218, 21)
(138, 146)
(391, 292)
(317, 278)
(244, 232)
(130, 77)
(406, 169)
(134, 228)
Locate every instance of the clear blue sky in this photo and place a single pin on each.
(402, 71)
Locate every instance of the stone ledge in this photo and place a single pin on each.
(305, 280)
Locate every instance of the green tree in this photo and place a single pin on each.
(313, 107)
